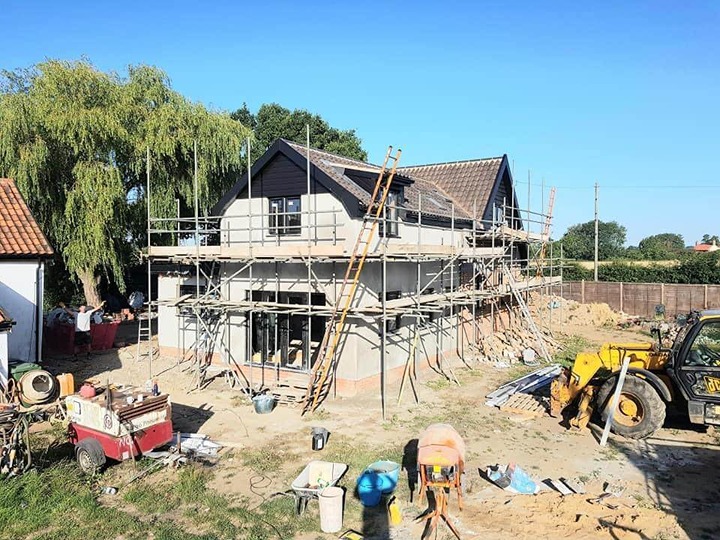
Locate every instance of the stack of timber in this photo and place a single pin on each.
(291, 390)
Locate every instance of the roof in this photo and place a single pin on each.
(705, 247)
(435, 201)
(443, 190)
(20, 235)
(465, 181)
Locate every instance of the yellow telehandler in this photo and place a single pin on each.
(686, 374)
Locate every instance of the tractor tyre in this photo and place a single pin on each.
(641, 411)
(90, 456)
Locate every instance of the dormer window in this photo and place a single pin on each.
(392, 216)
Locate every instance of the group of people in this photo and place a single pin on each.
(80, 318)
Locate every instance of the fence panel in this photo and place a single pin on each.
(641, 299)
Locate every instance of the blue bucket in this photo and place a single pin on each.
(368, 488)
(388, 474)
(263, 403)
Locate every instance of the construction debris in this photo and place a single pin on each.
(195, 443)
(525, 384)
(512, 478)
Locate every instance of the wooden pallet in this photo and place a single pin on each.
(525, 404)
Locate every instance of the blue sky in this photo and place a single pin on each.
(622, 93)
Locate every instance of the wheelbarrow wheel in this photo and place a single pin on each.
(90, 456)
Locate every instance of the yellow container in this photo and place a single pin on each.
(394, 513)
(66, 381)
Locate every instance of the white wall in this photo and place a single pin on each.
(21, 295)
(3, 357)
(330, 225)
(361, 351)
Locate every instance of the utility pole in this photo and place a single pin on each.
(596, 231)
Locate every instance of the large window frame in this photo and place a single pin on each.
(390, 226)
(285, 216)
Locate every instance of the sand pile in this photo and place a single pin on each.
(592, 314)
(569, 311)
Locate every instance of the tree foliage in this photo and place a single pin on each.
(709, 239)
(75, 139)
(693, 268)
(665, 246)
(579, 240)
(273, 121)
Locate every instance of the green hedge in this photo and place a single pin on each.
(700, 268)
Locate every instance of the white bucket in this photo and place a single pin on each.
(331, 509)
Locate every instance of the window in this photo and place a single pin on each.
(705, 350)
(392, 220)
(284, 216)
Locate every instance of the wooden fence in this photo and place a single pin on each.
(641, 299)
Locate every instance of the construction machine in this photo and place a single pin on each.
(685, 374)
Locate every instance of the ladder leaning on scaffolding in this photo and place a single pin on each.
(324, 365)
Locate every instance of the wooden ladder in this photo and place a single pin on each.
(324, 365)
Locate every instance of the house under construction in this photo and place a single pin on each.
(320, 275)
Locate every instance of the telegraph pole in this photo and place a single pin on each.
(596, 231)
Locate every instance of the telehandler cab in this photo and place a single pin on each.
(687, 374)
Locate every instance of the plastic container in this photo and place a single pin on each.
(319, 438)
(331, 509)
(263, 403)
(368, 488)
(66, 381)
(388, 473)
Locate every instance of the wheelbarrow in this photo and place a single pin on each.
(316, 476)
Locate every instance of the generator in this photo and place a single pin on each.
(119, 422)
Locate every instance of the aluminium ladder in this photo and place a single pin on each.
(526, 313)
(145, 334)
(324, 365)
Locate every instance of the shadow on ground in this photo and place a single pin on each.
(681, 477)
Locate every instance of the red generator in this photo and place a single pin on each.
(119, 423)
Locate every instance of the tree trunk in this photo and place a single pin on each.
(90, 287)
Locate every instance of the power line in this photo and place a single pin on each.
(630, 187)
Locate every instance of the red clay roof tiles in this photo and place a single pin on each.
(20, 235)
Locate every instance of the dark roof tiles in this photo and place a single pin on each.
(20, 235)
(436, 200)
(466, 182)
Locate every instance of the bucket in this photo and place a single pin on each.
(388, 473)
(263, 403)
(319, 438)
(368, 488)
(331, 509)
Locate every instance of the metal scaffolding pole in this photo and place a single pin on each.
(149, 269)
(383, 292)
(250, 314)
(196, 206)
(309, 256)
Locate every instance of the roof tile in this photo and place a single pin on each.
(20, 235)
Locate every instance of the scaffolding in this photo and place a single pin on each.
(488, 267)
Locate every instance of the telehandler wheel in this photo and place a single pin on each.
(640, 412)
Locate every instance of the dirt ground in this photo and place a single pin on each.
(668, 482)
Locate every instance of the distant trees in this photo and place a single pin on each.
(579, 240)
(272, 121)
(660, 247)
(707, 239)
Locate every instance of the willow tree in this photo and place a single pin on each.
(76, 139)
